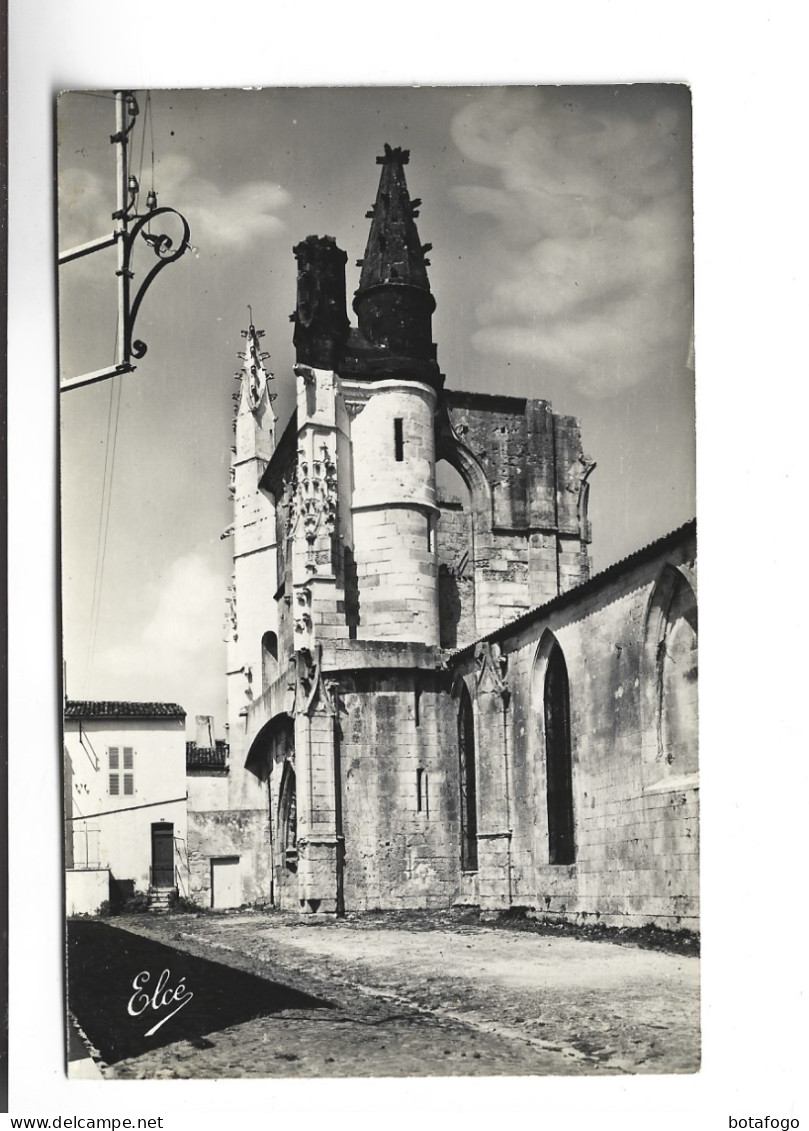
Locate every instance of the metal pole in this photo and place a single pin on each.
(122, 350)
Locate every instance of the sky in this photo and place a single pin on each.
(561, 224)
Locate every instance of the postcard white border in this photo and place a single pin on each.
(745, 70)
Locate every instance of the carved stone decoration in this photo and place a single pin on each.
(317, 492)
(579, 473)
(303, 615)
(290, 503)
(312, 691)
(255, 376)
(587, 466)
(491, 670)
(230, 626)
(355, 401)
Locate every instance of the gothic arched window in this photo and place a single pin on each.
(468, 781)
(677, 683)
(288, 819)
(559, 768)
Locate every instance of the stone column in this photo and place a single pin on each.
(494, 802)
(320, 841)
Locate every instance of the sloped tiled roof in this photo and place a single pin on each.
(121, 709)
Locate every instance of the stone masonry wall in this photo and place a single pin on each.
(398, 756)
(394, 513)
(229, 832)
(526, 473)
(635, 813)
(456, 585)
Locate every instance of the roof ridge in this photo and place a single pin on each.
(577, 590)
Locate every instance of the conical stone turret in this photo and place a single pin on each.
(393, 302)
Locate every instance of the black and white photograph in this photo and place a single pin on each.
(378, 553)
(369, 370)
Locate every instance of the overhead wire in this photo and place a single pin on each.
(94, 602)
(113, 419)
(105, 509)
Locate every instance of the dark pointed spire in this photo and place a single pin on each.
(394, 253)
(393, 302)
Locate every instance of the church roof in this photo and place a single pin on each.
(121, 709)
(394, 253)
(570, 596)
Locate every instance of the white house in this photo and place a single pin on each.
(125, 801)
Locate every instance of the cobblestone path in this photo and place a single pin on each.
(452, 999)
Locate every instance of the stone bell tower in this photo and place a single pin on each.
(391, 381)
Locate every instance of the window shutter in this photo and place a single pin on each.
(129, 758)
(129, 784)
(114, 784)
(113, 753)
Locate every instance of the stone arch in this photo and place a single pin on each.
(670, 671)
(286, 840)
(459, 456)
(454, 546)
(272, 745)
(547, 643)
(550, 700)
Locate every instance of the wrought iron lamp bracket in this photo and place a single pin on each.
(164, 249)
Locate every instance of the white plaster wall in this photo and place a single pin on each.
(206, 792)
(123, 823)
(85, 891)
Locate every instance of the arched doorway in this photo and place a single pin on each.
(286, 843)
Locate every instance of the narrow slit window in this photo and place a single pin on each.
(398, 438)
(468, 783)
(422, 792)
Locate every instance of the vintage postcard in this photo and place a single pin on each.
(379, 582)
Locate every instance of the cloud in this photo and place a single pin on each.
(226, 218)
(175, 653)
(85, 207)
(591, 215)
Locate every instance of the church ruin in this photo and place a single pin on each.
(432, 701)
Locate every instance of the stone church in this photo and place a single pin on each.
(432, 700)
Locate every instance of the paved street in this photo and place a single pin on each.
(381, 996)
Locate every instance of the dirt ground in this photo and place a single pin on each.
(430, 998)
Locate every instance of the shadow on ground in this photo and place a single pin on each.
(102, 963)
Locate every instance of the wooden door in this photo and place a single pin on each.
(163, 855)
